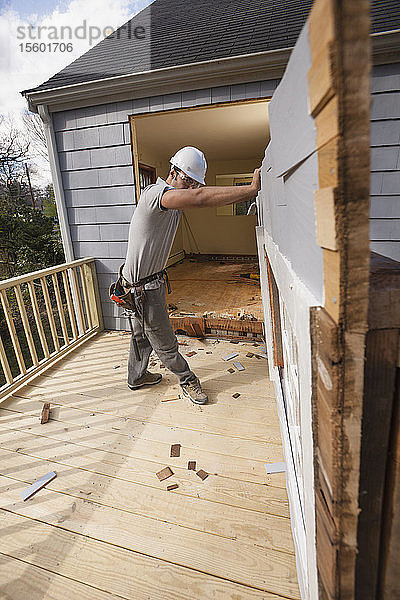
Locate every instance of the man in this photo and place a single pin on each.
(151, 235)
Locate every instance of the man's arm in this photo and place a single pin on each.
(212, 195)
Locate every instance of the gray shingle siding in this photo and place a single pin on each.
(95, 157)
(385, 161)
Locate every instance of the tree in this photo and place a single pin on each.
(35, 133)
(29, 239)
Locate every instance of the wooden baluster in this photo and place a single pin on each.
(4, 364)
(27, 327)
(50, 313)
(13, 332)
(70, 305)
(36, 314)
(60, 308)
(79, 308)
(86, 298)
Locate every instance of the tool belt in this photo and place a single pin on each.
(120, 291)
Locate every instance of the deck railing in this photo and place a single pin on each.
(43, 316)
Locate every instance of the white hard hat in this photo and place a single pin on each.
(192, 162)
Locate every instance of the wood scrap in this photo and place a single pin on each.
(230, 356)
(231, 370)
(173, 486)
(191, 353)
(175, 450)
(116, 366)
(191, 465)
(37, 485)
(202, 474)
(250, 355)
(279, 467)
(235, 395)
(209, 352)
(165, 473)
(170, 398)
(45, 416)
(239, 366)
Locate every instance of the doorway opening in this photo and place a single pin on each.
(213, 266)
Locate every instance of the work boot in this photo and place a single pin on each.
(146, 379)
(192, 390)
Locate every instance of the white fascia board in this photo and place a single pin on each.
(237, 69)
(57, 182)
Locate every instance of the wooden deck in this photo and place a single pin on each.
(106, 527)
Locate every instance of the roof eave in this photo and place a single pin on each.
(237, 69)
(248, 67)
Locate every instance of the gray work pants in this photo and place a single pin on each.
(158, 335)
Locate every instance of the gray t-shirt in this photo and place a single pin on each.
(151, 235)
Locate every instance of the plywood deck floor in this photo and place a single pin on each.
(106, 527)
(214, 288)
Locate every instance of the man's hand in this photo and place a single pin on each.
(256, 183)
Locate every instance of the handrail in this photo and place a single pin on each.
(62, 301)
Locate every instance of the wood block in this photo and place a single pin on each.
(175, 450)
(191, 354)
(202, 474)
(321, 26)
(324, 204)
(45, 416)
(236, 395)
(173, 486)
(231, 370)
(320, 80)
(239, 366)
(332, 283)
(164, 473)
(327, 123)
(327, 164)
(249, 355)
(191, 465)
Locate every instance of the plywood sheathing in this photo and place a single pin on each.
(339, 101)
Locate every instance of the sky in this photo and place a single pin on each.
(23, 66)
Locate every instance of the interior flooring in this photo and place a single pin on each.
(215, 288)
(106, 527)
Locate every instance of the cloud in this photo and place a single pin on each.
(86, 21)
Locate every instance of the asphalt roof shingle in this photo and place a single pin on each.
(178, 33)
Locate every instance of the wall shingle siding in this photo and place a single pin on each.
(385, 161)
(96, 165)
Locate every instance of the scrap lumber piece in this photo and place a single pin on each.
(191, 465)
(165, 473)
(249, 355)
(239, 366)
(235, 395)
(45, 416)
(37, 485)
(191, 354)
(202, 474)
(231, 370)
(170, 398)
(171, 487)
(279, 467)
(230, 356)
(209, 352)
(175, 450)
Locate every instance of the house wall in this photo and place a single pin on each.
(94, 150)
(385, 160)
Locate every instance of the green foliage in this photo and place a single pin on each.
(29, 239)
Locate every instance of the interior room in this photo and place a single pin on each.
(216, 246)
